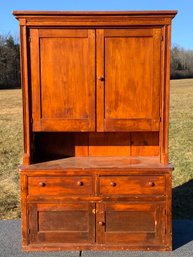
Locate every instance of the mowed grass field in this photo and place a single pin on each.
(181, 149)
(10, 152)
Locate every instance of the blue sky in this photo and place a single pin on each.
(182, 33)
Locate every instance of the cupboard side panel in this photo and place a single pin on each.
(24, 211)
(24, 55)
(165, 95)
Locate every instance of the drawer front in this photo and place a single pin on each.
(132, 185)
(56, 186)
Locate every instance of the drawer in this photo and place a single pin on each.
(55, 186)
(132, 185)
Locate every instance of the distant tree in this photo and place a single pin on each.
(9, 62)
(181, 63)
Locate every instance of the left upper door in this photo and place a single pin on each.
(62, 75)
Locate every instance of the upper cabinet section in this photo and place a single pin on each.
(95, 71)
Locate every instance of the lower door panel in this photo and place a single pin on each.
(61, 223)
(131, 224)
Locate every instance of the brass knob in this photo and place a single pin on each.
(151, 183)
(101, 78)
(113, 184)
(42, 184)
(101, 223)
(80, 183)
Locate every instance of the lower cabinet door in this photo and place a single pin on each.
(132, 224)
(61, 223)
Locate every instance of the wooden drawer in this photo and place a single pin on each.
(122, 185)
(81, 185)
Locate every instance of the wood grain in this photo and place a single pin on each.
(123, 185)
(60, 186)
(59, 105)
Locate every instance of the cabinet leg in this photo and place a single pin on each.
(80, 253)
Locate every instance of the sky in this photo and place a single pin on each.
(182, 28)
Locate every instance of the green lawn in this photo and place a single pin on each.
(181, 149)
(181, 146)
(10, 152)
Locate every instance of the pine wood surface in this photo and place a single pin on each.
(122, 162)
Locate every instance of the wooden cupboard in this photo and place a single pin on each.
(95, 172)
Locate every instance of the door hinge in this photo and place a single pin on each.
(28, 231)
(162, 38)
(29, 39)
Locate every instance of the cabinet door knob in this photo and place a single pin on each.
(113, 184)
(80, 183)
(101, 78)
(151, 184)
(101, 223)
(42, 184)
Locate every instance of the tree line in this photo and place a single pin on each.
(9, 62)
(181, 62)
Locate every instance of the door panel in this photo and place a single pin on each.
(131, 71)
(131, 223)
(61, 223)
(63, 80)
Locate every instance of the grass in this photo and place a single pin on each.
(181, 146)
(181, 149)
(10, 152)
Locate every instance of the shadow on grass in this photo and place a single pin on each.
(182, 214)
(183, 201)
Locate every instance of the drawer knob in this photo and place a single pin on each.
(101, 223)
(113, 184)
(80, 183)
(42, 184)
(151, 184)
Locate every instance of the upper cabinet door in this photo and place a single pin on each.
(128, 79)
(63, 79)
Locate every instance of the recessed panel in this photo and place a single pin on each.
(130, 221)
(128, 77)
(63, 220)
(64, 78)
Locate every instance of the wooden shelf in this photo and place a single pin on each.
(100, 163)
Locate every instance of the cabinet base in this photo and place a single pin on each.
(49, 248)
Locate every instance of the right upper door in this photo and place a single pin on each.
(128, 79)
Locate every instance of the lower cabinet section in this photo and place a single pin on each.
(76, 211)
(101, 225)
(61, 223)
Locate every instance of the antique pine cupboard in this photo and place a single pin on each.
(95, 172)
